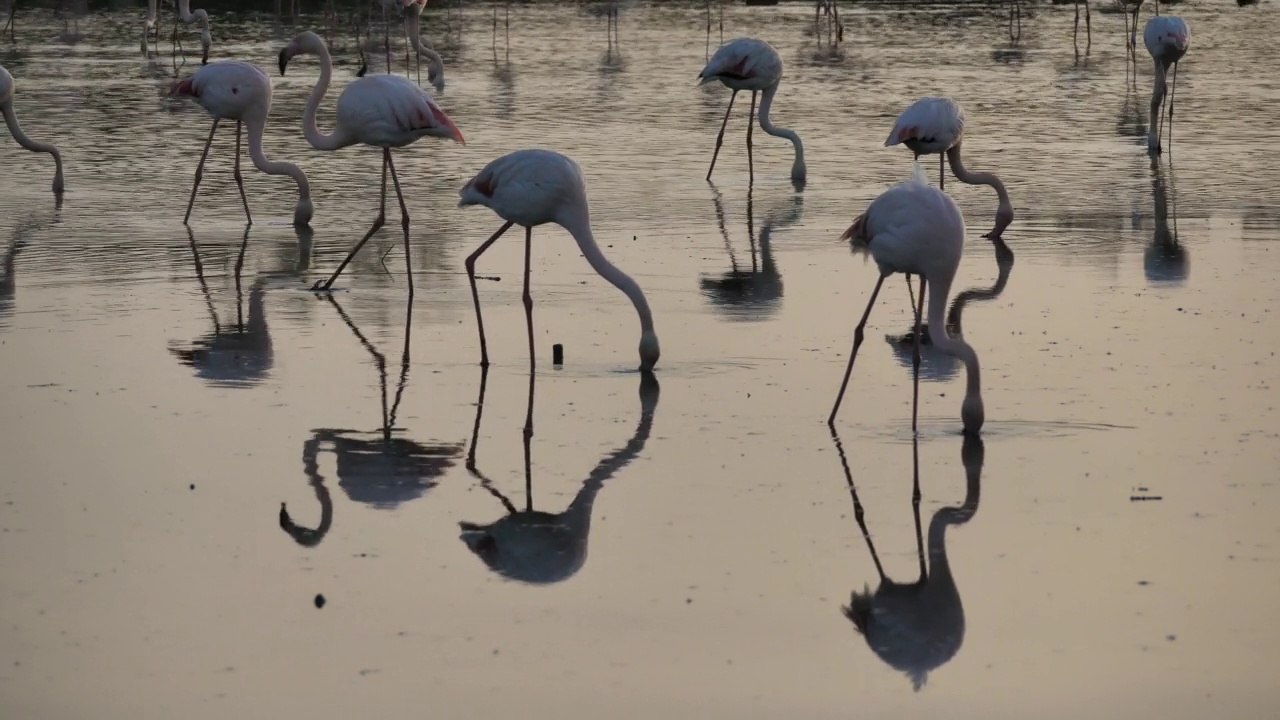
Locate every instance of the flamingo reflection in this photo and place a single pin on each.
(918, 626)
(1165, 260)
(8, 261)
(750, 293)
(239, 355)
(539, 547)
(376, 467)
(934, 364)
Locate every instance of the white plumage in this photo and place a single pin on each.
(1167, 38)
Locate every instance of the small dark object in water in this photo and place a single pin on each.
(761, 2)
(1136, 498)
(319, 600)
(1242, 3)
(557, 354)
(193, 486)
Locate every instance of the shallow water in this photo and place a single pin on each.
(160, 409)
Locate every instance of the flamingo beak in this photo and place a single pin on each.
(182, 87)
(446, 128)
(284, 60)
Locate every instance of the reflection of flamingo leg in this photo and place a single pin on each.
(858, 513)
(915, 498)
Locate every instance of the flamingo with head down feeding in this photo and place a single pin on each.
(11, 120)
(751, 64)
(240, 91)
(935, 125)
(412, 11)
(384, 111)
(534, 187)
(915, 228)
(1167, 38)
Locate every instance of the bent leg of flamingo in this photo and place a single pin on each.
(475, 294)
(244, 199)
(857, 341)
(200, 171)
(751, 121)
(377, 225)
(720, 137)
(915, 359)
(528, 297)
(404, 215)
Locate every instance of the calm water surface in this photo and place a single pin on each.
(160, 407)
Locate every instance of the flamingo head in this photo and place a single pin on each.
(303, 42)
(438, 124)
(303, 212)
(649, 351)
(185, 86)
(1004, 216)
(972, 414)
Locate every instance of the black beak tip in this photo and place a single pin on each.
(284, 61)
(364, 68)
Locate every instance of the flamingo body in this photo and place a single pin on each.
(1167, 38)
(390, 111)
(11, 120)
(929, 126)
(533, 187)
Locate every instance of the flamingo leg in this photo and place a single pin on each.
(941, 172)
(915, 359)
(1088, 28)
(528, 304)
(377, 225)
(244, 199)
(1173, 87)
(404, 214)
(200, 170)
(475, 294)
(857, 341)
(720, 137)
(751, 121)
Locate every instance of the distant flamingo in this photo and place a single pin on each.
(751, 64)
(1167, 38)
(534, 187)
(150, 26)
(935, 125)
(240, 91)
(915, 228)
(10, 119)
(412, 10)
(187, 16)
(382, 111)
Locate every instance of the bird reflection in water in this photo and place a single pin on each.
(376, 467)
(1165, 260)
(538, 547)
(8, 261)
(936, 365)
(918, 626)
(750, 293)
(240, 355)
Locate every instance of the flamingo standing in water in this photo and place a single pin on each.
(1167, 38)
(935, 125)
(914, 228)
(751, 64)
(534, 187)
(11, 120)
(187, 16)
(412, 11)
(240, 91)
(383, 111)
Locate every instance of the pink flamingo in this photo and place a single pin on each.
(535, 187)
(1167, 38)
(914, 228)
(412, 10)
(751, 64)
(11, 120)
(385, 111)
(240, 91)
(935, 125)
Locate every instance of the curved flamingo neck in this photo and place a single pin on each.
(964, 175)
(318, 140)
(256, 126)
(798, 169)
(578, 223)
(15, 129)
(435, 66)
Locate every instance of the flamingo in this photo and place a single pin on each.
(240, 91)
(382, 111)
(412, 10)
(150, 26)
(11, 120)
(751, 64)
(187, 16)
(915, 228)
(533, 187)
(1167, 38)
(936, 125)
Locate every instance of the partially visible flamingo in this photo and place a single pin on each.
(534, 187)
(412, 11)
(1167, 38)
(187, 16)
(150, 26)
(751, 64)
(240, 91)
(914, 228)
(935, 125)
(384, 111)
(11, 120)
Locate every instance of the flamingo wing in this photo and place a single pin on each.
(740, 59)
(937, 122)
(226, 88)
(528, 186)
(391, 111)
